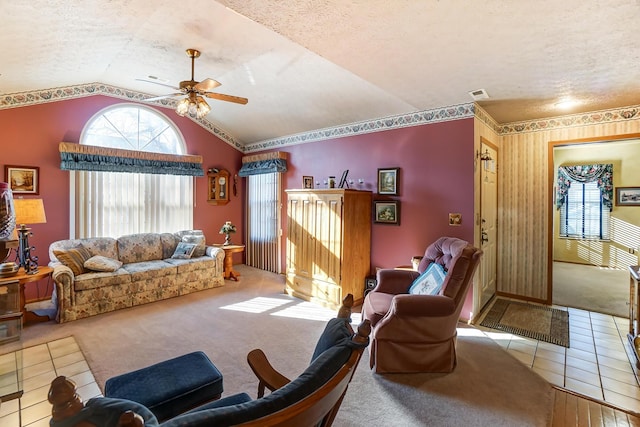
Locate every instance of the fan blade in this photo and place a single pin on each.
(158, 83)
(223, 97)
(206, 85)
(156, 98)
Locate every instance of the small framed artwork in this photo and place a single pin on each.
(23, 179)
(307, 182)
(386, 212)
(388, 181)
(627, 196)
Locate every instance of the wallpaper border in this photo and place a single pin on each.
(455, 112)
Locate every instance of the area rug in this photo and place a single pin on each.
(528, 320)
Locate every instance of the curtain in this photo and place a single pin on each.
(109, 204)
(93, 158)
(274, 162)
(601, 173)
(263, 222)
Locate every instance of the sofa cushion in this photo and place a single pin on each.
(102, 263)
(169, 242)
(105, 246)
(430, 282)
(192, 264)
(99, 279)
(149, 270)
(139, 248)
(194, 236)
(74, 258)
(184, 250)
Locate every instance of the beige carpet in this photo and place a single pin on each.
(488, 388)
(592, 288)
(529, 320)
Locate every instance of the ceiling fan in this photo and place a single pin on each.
(194, 104)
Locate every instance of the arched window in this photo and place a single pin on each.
(112, 204)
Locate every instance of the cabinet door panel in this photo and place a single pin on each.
(328, 248)
(300, 241)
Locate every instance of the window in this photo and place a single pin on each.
(584, 215)
(263, 221)
(112, 204)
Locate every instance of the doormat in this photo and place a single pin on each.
(528, 320)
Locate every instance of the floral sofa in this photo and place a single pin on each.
(131, 270)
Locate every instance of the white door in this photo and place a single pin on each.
(488, 221)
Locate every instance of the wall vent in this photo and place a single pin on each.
(479, 94)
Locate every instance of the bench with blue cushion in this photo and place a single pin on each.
(171, 387)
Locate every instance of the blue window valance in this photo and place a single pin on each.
(601, 173)
(92, 158)
(264, 163)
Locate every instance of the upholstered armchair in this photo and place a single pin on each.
(417, 333)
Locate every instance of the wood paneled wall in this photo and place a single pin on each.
(524, 199)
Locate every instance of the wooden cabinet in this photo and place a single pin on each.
(218, 187)
(328, 244)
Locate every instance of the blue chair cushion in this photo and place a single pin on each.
(105, 412)
(336, 332)
(170, 387)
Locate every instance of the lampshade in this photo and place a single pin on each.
(29, 211)
(193, 105)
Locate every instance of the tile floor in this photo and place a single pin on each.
(598, 364)
(41, 365)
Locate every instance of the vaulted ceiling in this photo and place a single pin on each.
(308, 65)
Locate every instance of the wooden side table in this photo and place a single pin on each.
(24, 278)
(229, 250)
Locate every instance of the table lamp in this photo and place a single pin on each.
(28, 211)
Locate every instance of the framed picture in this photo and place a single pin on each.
(388, 181)
(386, 212)
(23, 179)
(307, 182)
(627, 196)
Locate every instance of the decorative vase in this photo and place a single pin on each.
(227, 239)
(7, 212)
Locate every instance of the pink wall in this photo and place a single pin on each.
(30, 136)
(436, 177)
(435, 161)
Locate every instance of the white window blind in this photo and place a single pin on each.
(583, 215)
(263, 221)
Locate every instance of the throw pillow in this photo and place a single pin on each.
(430, 282)
(199, 240)
(74, 258)
(102, 263)
(184, 250)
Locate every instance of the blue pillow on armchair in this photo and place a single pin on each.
(430, 282)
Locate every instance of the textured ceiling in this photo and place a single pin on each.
(307, 65)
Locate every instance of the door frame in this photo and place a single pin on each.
(477, 290)
(552, 195)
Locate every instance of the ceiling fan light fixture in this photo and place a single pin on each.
(183, 107)
(202, 107)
